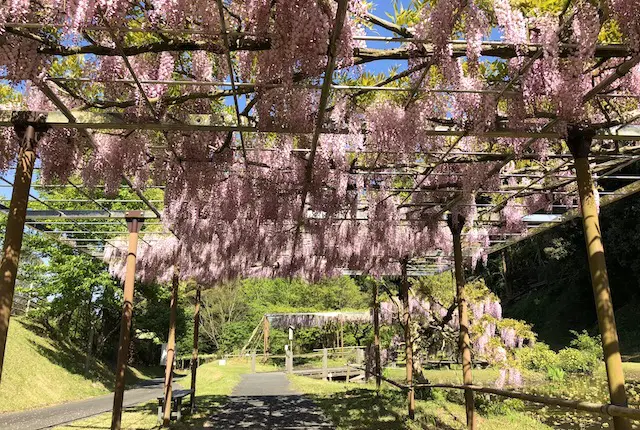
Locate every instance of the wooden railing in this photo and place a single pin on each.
(578, 405)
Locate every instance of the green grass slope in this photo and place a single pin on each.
(39, 371)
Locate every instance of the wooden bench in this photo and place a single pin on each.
(176, 400)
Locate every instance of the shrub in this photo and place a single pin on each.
(555, 374)
(586, 343)
(538, 357)
(455, 396)
(438, 395)
(573, 360)
(488, 404)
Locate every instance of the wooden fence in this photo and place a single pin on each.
(578, 405)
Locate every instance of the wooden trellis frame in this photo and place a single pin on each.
(622, 130)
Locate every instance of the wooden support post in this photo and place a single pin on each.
(464, 342)
(579, 142)
(342, 336)
(14, 231)
(253, 362)
(171, 350)
(348, 373)
(194, 357)
(376, 334)
(367, 363)
(134, 222)
(265, 337)
(289, 360)
(325, 363)
(406, 320)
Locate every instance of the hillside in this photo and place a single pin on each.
(39, 371)
(547, 280)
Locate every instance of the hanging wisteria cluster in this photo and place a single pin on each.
(316, 319)
(326, 180)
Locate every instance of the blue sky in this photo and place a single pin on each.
(381, 9)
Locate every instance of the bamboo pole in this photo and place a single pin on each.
(14, 232)
(171, 350)
(579, 405)
(404, 291)
(579, 142)
(265, 337)
(464, 342)
(134, 222)
(376, 334)
(194, 357)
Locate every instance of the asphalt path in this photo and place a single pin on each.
(52, 416)
(266, 401)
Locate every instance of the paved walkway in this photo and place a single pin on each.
(61, 414)
(265, 401)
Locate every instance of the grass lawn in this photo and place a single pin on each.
(215, 383)
(357, 406)
(349, 406)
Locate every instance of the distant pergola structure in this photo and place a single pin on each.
(586, 150)
(297, 320)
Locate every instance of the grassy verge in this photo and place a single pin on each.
(39, 371)
(352, 406)
(215, 383)
(574, 386)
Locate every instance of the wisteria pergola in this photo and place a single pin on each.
(276, 152)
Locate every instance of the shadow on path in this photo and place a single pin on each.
(270, 412)
(265, 401)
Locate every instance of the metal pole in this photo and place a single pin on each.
(13, 235)
(134, 222)
(579, 142)
(342, 336)
(404, 291)
(265, 337)
(290, 350)
(171, 350)
(464, 342)
(194, 357)
(376, 334)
